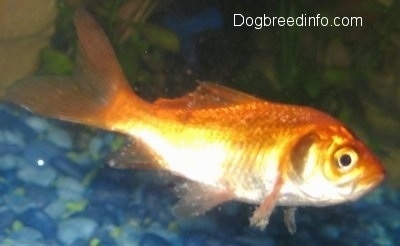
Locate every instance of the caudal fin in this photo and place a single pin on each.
(97, 88)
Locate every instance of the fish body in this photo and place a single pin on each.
(233, 146)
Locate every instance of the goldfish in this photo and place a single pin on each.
(229, 145)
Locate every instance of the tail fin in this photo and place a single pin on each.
(97, 87)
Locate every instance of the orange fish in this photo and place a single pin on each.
(232, 145)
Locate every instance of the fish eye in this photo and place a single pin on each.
(345, 158)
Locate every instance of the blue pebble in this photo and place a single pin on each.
(4, 187)
(193, 241)
(40, 196)
(57, 209)
(67, 167)
(197, 239)
(70, 188)
(60, 137)
(15, 123)
(104, 214)
(73, 229)
(10, 177)
(8, 148)
(7, 218)
(129, 235)
(104, 237)
(150, 239)
(80, 242)
(95, 145)
(17, 202)
(40, 150)
(12, 137)
(26, 236)
(42, 176)
(39, 220)
(38, 124)
(11, 161)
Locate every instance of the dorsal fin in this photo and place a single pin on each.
(208, 95)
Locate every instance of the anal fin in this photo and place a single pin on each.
(135, 155)
(196, 198)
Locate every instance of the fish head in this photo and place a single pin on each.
(333, 166)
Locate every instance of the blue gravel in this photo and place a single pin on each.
(73, 198)
(11, 161)
(16, 124)
(42, 176)
(38, 219)
(59, 137)
(73, 229)
(40, 196)
(17, 202)
(40, 150)
(68, 168)
(56, 209)
(7, 218)
(25, 236)
(69, 188)
(150, 239)
(9, 149)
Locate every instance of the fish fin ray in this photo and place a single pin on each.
(290, 219)
(96, 61)
(260, 217)
(86, 97)
(196, 198)
(52, 96)
(134, 155)
(207, 95)
(228, 94)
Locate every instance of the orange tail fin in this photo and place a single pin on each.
(97, 88)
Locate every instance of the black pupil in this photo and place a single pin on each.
(345, 160)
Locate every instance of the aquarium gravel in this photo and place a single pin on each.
(57, 189)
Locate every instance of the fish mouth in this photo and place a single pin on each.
(366, 183)
(375, 180)
(369, 183)
(378, 176)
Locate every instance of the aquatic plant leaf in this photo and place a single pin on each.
(159, 36)
(55, 62)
